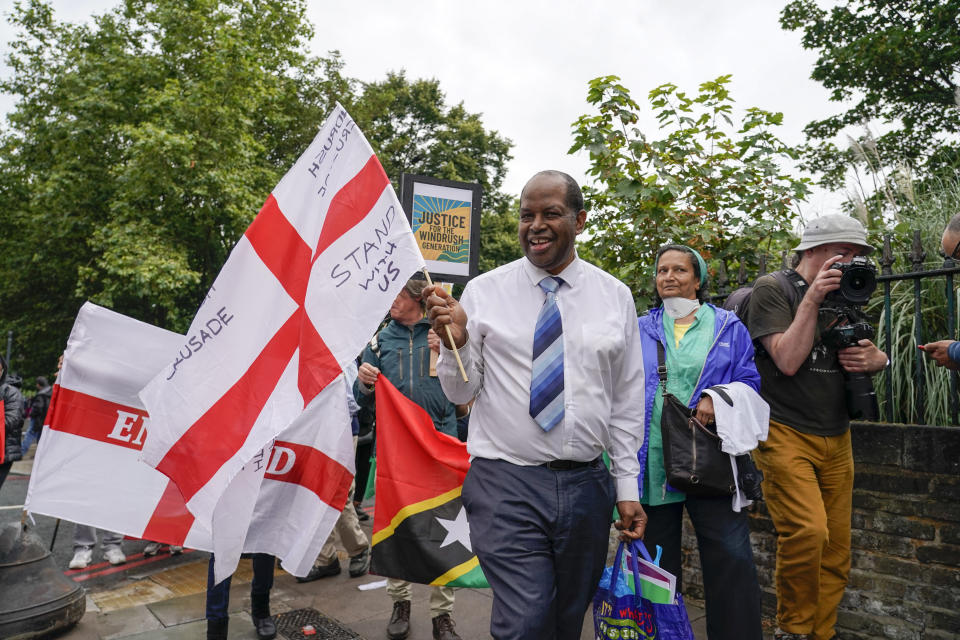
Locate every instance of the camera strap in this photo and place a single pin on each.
(793, 285)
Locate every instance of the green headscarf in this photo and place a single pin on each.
(702, 263)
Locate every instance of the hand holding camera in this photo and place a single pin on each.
(863, 357)
(826, 280)
(848, 286)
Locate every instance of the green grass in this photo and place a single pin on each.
(928, 212)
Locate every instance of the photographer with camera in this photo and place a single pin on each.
(815, 355)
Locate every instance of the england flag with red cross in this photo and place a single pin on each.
(301, 293)
(87, 467)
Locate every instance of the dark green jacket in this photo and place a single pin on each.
(404, 358)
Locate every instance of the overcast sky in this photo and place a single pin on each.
(524, 65)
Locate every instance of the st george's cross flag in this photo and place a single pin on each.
(300, 294)
(420, 528)
(87, 467)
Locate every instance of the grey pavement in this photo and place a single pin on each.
(339, 598)
(164, 600)
(364, 612)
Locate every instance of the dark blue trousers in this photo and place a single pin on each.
(730, 585)
(218, 595)
(541, 538)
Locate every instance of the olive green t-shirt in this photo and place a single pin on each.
(812, 400)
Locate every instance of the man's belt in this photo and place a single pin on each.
(568, 465)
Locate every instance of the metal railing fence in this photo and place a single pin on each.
(918, 275)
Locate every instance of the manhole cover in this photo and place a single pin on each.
(290, 625)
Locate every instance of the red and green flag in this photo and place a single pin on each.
(420, 529)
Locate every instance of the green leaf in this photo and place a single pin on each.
(695, 181)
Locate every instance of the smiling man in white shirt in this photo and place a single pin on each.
(552, 350)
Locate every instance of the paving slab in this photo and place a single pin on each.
(192, 578)
(239, 628)
(130, 595)
(86, 629)
(180, 610)
(120, 623)
(369, 613)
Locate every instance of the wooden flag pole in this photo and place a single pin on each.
(456, 354)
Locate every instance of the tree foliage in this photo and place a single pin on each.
(141, 146)
(707, 182)
(898, 63)
(412, 130)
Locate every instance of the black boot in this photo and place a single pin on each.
(217, 628)
(260, 614)
(266, 627)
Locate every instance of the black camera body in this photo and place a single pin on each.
(848, 335)
(850, 325)
(857, 282)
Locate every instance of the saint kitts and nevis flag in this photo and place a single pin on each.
(420, 530)
(300, 294)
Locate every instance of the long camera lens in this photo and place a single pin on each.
(861, 398)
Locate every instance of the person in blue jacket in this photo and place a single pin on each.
(704, 346)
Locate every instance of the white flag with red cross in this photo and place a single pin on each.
(87, 467)
(301, 293)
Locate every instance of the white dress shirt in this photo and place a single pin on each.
(603, 369)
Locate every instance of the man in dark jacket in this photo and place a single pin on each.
(403, 355)
(39, 405)
(12, 424)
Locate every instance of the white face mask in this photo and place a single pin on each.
(677, 308)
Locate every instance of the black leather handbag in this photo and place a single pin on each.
(694, 462)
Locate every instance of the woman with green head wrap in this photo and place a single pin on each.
(703, 346)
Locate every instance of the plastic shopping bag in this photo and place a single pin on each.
(619, 613)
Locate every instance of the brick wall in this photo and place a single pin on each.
(905, 575)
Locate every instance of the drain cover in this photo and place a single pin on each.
(290, 626)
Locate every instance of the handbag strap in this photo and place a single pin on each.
(662, 365)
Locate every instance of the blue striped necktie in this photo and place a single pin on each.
(546, 380)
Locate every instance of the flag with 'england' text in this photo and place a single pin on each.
(87, 467)
(420, 528)
(300, 294)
